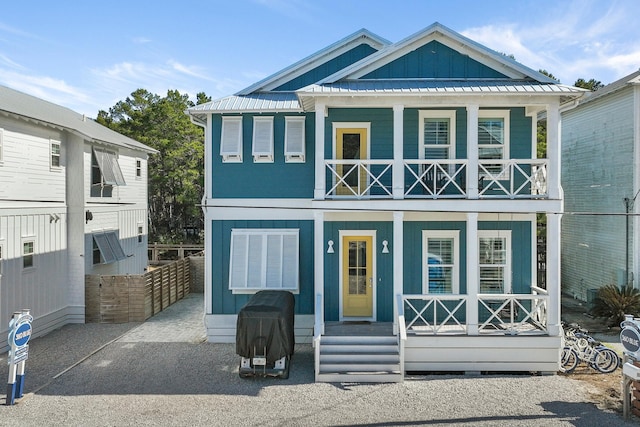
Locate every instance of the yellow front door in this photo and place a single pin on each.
(357, 276)
(351, 144)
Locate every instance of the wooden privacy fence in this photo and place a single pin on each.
(135, 298)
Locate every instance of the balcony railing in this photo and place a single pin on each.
(359, 179)
(513, 178)
(435, 179)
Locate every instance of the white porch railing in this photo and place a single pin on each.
(359, 178)
(435, 178)
(513, 178)
(446, 314)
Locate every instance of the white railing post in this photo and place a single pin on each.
(473, 272)
(398, 151)
(553, 273)
(320, 184)
(553, 151)
(472, 151)
(398, 255)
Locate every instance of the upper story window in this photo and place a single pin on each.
(140, 233)
(493, 134)
(105, 172)
(262, 140)
(441, 264)
(1, 145)
(54, 147)
(494, 261)
(294, 141)
(231, 140)
(437, 134)
(28, 252)
(264, 259)
(138, 169)
(107, 248)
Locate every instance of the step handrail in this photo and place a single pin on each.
(402, 330)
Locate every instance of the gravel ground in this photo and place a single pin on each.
(126, 382)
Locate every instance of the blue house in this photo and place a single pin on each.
(393, 188)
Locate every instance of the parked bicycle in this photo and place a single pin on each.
(579, 346)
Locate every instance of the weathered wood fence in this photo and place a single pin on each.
(135, 298)
(162, 253)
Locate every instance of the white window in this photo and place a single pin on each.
(138, 169)
(262, 140)
(1, 145)
(494, 253)
(231, 140)
(263, 259)
(294, 141)
(106, 248)
(440, 261)
(493, 140)
(437, 134)
(28, 252)
(54, 147)
(140, 233)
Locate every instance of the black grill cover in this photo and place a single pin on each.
(266, 319)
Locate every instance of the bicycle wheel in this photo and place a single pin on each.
(568, 360)
(605, 360)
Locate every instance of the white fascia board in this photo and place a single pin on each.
(312, 61)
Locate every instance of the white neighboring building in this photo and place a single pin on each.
(73, 201)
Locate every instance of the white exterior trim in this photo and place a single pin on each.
(507, 286)
(348, 233)
(437, 114)
(444, 234)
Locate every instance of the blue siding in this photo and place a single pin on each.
(328, 68)
(520, 134)
(263, 180)
(434, 60)
(222, 299)
(381, 136)
(384, 268)
(412, 129)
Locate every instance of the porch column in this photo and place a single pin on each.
(320, 187)
(398, 264)
(553, 273)
(472, 151)
(398, 152)
(473, 273)
(553, 151)
(318, 264)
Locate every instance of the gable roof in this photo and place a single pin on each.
(448, 37)
(322, 56)
(626, 81)
(15, 103)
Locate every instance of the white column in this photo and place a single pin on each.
(473, 273)
(398, 264)
(398, 151)
(472, 151)
(320, 187)
(318, 260)
(553, 273)
(553, 151)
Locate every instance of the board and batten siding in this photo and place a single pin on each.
(597, 174)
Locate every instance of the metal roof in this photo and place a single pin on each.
(13, 102)
(277, 102)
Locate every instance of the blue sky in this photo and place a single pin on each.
(88, 55)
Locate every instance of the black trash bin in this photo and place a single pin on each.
(264, 334)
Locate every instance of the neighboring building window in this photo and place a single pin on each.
(105, 173)
(493, 140)
(138, 168)
(106, 248)
(0, 260)
(294, 141)
(441, 266)
(264, 259)
(437, 134)
(495, 261)
(28, 250)
(140, 233)
(231, 140)
(55, 154)
(262, 140)
(1, 145)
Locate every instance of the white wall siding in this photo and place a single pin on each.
(597, 174)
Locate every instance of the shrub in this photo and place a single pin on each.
(613, 302)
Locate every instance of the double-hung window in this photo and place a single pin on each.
(493, 142)
(264, 259)
(494, 253)
(54, 147)
(440, 261)
(437, 134)
(138, 169)
(28, 252)
(231, 140)
(262, 140)
(294, 141)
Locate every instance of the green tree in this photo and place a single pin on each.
(176, 172)
(592, 84)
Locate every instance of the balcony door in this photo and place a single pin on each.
(352, 144)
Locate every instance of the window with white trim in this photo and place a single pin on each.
(54, 147)
(231, 140)
(1, 145)
(28, 253)
(494, 259)
(106, 248)
(437, 134)
(138, 169)
(493, 140)
(440, 261)
(294, 140)
(264, 259)
(262, 149)
(140, 233)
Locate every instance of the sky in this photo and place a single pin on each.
(88, 55)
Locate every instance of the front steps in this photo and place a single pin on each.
(359, 359)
